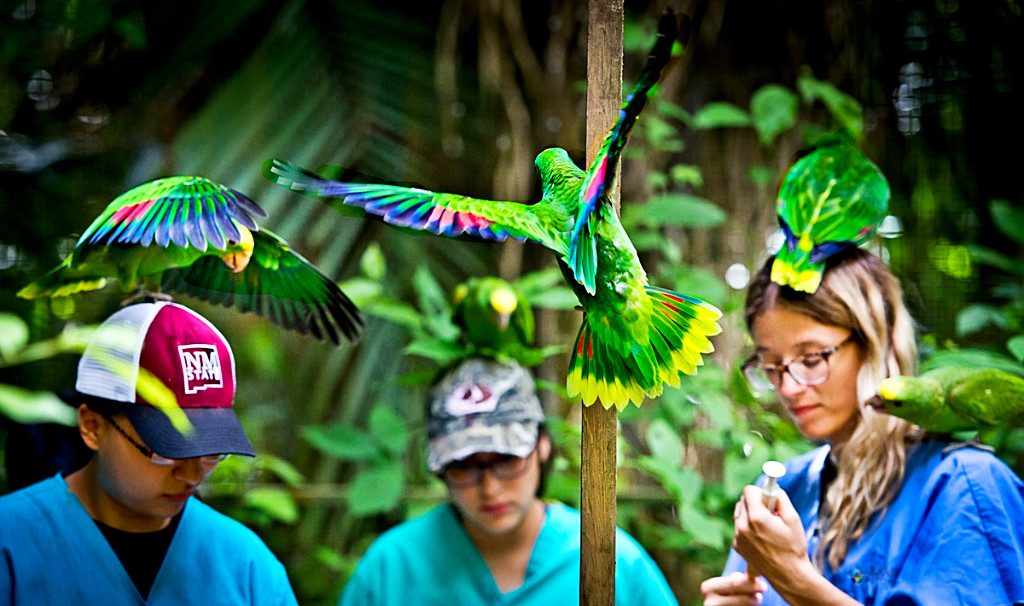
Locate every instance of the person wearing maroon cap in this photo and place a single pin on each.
(125, 528)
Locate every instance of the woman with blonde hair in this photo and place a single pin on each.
(881, 513)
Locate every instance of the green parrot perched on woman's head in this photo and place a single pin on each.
(191, 235)
(831, 198)
(635, 337)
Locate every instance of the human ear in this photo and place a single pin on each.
(543, 447)
(89, 426)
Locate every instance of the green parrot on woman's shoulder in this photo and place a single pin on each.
(191, 235)
(953, 398)
(635, 338)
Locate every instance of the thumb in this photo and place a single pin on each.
(784, 508)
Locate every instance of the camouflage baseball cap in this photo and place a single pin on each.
(482, 406)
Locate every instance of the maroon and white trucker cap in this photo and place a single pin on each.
(188, 355)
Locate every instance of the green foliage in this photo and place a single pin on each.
(257, 491)
(378, 484)
(27, 406)
(773, 109)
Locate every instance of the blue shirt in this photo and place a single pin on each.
(51, 552)
(953, 535)
(431, 560)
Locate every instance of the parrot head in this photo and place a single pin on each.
(504, 302)
(914, 399)
(239, 252)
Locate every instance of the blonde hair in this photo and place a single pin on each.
(859, 293)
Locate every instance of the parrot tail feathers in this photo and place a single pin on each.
(604, 366)
(794, 269)
(597, 371)
(681, 327)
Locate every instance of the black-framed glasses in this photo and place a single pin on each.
(809, 369)
(208, 460)
(465, 474)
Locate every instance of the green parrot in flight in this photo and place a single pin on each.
(830, 199)
(635, 337)
(953, 398)
(191, 235)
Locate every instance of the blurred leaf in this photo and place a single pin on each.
(705, 529)
(657, 180)
(281, 468)
(1008, 220)
(435, 349)
(762, 175)
(433, 303)
(687, 174)
(773, 109)
(661, 134)
(987, 256)
(1016, 347)
(845, 109)
(977, 317)
(28, 407)
(975, 358)
(376, 490)
(388, 430)
(560, 297)
(674, 110)
(272, 501)
(13, 334)
(719, 114)
(680, 210)
(664, 442)
(361, 290)
(402, 314)
(340, 441)
(372, 263)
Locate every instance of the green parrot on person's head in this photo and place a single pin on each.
(635, 337)
(831, 198)
(191, 235)
(493, 315)
(953, 398)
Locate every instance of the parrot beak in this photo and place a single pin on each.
(237, 261)
(876, 402)
(238, 258)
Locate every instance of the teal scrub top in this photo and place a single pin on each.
(431, 560)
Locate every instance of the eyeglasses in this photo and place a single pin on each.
(463, 474)
(209, 460)
(808, 369)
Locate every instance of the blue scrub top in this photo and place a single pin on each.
(954, 534)
(51, 552)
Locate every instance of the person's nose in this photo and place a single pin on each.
(190, 471)
(788, 386)
(489, 483)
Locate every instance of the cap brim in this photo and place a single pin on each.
(516, 439)
(214, 431)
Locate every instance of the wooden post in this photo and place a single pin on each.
(604, 98)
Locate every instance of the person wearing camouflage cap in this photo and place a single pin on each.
(497, 541)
